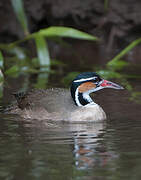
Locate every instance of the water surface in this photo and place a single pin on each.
(110, 150)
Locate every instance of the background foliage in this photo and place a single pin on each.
(17, 58)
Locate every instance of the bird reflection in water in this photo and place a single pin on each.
(89, 151)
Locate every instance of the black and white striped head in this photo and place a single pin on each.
(86, 83)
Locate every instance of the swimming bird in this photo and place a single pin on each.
(58, 104)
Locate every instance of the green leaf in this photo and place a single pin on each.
(136, 96)
(118, 65)
(66, 32)
(124, 51)
(18, 52)
(127, 84)
(43, 53)
(19, 11)
(106, 3)
(53, 32)
(109, 74)
(1, 67)
(12, 71)
(1, 60)
(55, 62)
(1, 90)
(41, 81)
(68, 78)
(44, 60)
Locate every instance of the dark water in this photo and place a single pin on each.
(65, 151)
(61, 151)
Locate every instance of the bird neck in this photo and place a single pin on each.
(82, 99)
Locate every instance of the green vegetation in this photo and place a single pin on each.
(1, 74)
(19, 11)
(22, 60)
(106, 3)
(19, 58)
(115, 66)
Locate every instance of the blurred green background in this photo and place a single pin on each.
(31, 55)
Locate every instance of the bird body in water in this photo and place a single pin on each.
(59, 104)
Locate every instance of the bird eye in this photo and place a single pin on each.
(96, 80)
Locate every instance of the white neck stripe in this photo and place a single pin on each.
(76, 98)
(87, 79)
(85, 96)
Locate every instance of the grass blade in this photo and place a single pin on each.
(54, 31)
(19, 11)
(44, 60)
(1, 74)
(1, 67)
(106, 3)
(66, 32)
(1, 60)
(43, 53)
(123, 52)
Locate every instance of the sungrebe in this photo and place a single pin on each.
(58, 104)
